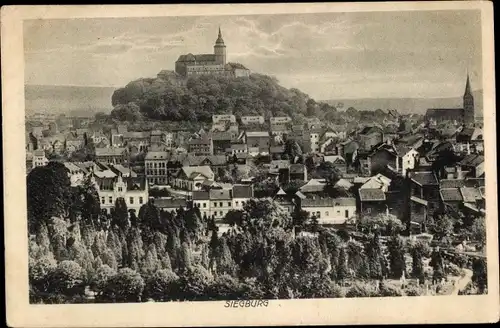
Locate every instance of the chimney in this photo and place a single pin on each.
(459, 173)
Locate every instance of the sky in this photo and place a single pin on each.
(329, 56)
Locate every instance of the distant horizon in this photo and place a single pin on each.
(347, 98)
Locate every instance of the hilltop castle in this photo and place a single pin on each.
(215, 63)
(463, 115)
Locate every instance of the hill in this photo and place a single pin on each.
(409, 105)
(65, 99)
(199, 97)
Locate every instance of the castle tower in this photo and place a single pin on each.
(220, 50)
(469, 115)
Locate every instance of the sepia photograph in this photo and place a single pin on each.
(243, 158)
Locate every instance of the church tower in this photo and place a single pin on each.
(220, 50)
(468, 103)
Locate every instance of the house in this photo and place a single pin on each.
(31, 142)
(111, 155)
(191, 177)
(473, 199)
(39, 158)
(277, 165)
(117, 138)
(257, 139)
(222, 141)
(139, 139)
(474, 164)
(201, 146)
(330, 211)
(155, 164)
(372, 201)
(221, 202)
(74, 143)
(279, 129)
(134, 191)
(451, 198)
(156, 137)
(237, 148)
(348, 149)
(97, 137)
(398, 157)
(370, 136)
(276, 151)
(250, 120)
(425, 185)
(201, 199)
(29, 162)
(241, 195)
(297, 172)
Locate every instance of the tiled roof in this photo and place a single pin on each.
(451, 183)
(206, 171)
(371, 195)
(199, 58)
(475, 182)
(220, 194)
(451, 194)
(328, 202)
(221, 136)
(242, 191)
(136, 134)
(200, 195)
(424, 178)
(470, 195)
(312, 185)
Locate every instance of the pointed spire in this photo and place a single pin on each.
(467, 84)
(220, 40)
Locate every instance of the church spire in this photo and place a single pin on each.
(467, 85)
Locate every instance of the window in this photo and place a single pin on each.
(346, 214)
(368, 210)
(237, 203)
(204, 205)
(229, 204)
(131, 200)
(120, 189)
(103, 200)
(318, 214)
(220, 213)
(327, 213)
(140, 200)
(220, 204)
(242, 203)
(110, 200)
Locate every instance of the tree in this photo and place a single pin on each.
(480, 274)
(120, 214)
(48, 194)
(375, 258)
(66, 279)
(226, 287)
(160, 286)
(266, 213)
(329, 172)
(126, 286)
(342, 265)
(418, 251)
(478, 231)
(441, 226)
(194, 284)
(292, 149)
(396, 257)
(101, 278)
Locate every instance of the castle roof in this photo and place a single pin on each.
(196, 58)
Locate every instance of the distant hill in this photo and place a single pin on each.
(65, 99)
(409, 105)
(201, 96)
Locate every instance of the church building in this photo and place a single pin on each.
(188, 65)
(463, 115)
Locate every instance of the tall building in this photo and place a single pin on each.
(463, 115)
(215, 63)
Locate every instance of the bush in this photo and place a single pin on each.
(414, 291)
(361, 290)
(160, 286)
(386, 290)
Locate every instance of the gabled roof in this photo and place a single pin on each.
(451, 195)
(191, 171)
(313, 185)
(471, 195)
(281, 192)
(367, 195)
(222, 136)
(424, 178)
(242, 191)
(451, 183)
(370, 129)
(199, 58)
